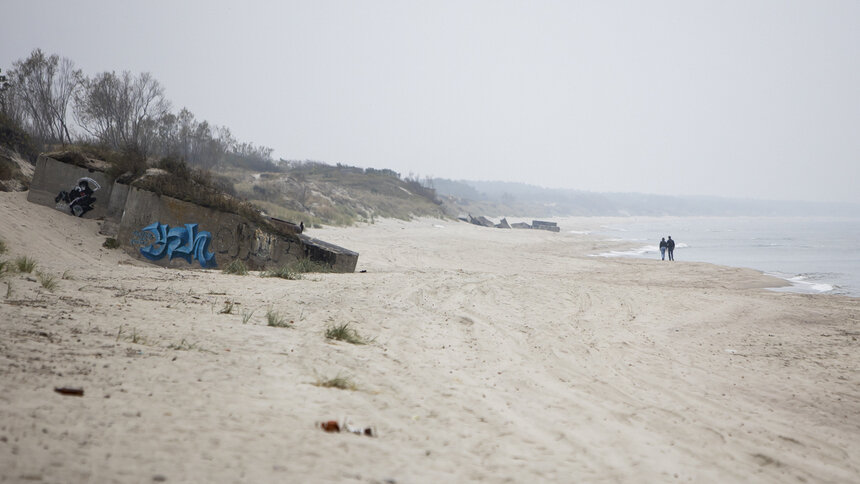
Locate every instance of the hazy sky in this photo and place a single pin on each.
(757, 99)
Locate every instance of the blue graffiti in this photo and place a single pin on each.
(183, 242)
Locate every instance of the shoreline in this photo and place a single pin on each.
(798, 281)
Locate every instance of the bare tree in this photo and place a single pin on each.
(122, 111)
(39, 96)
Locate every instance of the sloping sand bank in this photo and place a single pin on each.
(497, 355)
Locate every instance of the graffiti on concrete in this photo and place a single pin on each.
(183, 242)
(142, 238)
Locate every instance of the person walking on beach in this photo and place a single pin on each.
(663, 248)
(670, 245)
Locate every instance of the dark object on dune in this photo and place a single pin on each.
(75, 392)
(330, 426)
(79, 199)
(503, 224)
(520, 225)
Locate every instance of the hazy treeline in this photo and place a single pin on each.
(495, 198)
(54, 103)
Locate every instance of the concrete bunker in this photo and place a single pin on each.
(169, 232)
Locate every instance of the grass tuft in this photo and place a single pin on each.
(228, 307)
(110, 243)
(182, 346)
(134, 337)
(25, 264)
(274, 319)
(307, 265)
(344, 333)
(3, 246)
(49, 282)
(341, 382)
(246, 316)
(283, 272)
(236, 267)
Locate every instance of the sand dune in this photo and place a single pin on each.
(497, 355)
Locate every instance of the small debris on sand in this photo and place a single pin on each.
(75, 392)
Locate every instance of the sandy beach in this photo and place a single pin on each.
(492, 356)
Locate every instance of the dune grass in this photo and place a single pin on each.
(47, 281)
(110, 243)
(340, 382)
(25, 264)
(3, 248)
(228, 307)
(343, 332)
(307, 265)
(183, 346)
(274, 319)
(283, 272)
(237, 267)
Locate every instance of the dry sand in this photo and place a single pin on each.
(497, 356)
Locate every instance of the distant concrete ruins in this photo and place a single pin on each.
(174, 233)
(540, 225)
(503, 224)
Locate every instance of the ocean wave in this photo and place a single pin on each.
(629, 253)
(804, 283)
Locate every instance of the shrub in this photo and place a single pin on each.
(111, 243)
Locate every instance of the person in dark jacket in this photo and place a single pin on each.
(670, 246)
(663, 248)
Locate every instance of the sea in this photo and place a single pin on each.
(817, 255)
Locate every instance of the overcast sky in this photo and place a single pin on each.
(756, 99)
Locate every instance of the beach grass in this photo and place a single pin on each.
(343, 332)
(236, 267)
(47, 281)
(182, 346)
(274, 319)
(340, 382)
(283, 272)
(110, 243)
(25, 264)
(228, 307)
(307, 265)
